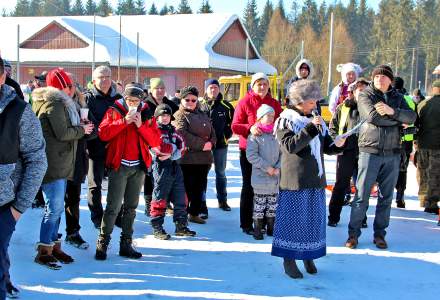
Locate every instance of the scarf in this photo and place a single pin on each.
(71, 110)
(268, 128)
(292, 120)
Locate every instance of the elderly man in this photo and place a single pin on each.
(384, 111)
(428, 152)
(22, 167)
(99, 98)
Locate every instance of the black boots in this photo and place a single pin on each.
(270, 223)
(183, 230)
(101, 247)
(258, 227)
(291, 269)
(310, 266)
(126, 248)
(224, 206)
(399, 200)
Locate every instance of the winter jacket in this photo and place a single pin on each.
(153, 104)
(20, 177)
(263, 152)
(98, 104)
(299, 168)
(337, 96)
(14, 84)
(114, 130)
(351, 144)
(428, 136)
(382, 134)
(298, 73)
(221, 113)
(171, 140)
(50, 106)
(245, 115)
(196, 129)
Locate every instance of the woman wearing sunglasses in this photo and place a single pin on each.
(196, 128)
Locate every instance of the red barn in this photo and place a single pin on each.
(181, 49)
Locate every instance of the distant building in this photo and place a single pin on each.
(181, 49)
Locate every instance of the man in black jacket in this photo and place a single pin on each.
(99, 99)
(221, 113)
(384, 111)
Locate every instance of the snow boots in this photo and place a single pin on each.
(126, 248)
(291, 269)
(270, 223)
(399, 200)
(44, 257)
(258, 227)
(77, 241)
(310, 266)
(183, 230)
(60, 255)
(101, 247)
(160, 233)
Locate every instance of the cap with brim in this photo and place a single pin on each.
(42, 76)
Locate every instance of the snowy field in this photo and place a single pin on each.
(223, 263)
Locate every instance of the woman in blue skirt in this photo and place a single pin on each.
(300, 217)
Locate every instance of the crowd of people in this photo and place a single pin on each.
(141, 139)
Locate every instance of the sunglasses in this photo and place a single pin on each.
(190, 100)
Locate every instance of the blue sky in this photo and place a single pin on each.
(227, 6)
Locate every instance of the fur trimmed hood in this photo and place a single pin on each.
(309, 64)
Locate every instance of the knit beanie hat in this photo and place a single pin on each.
(155, 82)
(258, 76)
(383, 70)
(58, 79)
(134, 89)
(264, 110)
(163, 109)
(189, 90)
(398, 83)
(210, 81)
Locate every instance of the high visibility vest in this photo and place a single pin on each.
(345, 112)
(412, 105)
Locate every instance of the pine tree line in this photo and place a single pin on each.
(99, 7)
(402, 33)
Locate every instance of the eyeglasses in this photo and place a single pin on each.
(190, 100)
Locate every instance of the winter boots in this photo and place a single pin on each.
(270, 223)
(399, 200)
(258, 227)
(126, 248)
(224, 205)
(196, 219)
(291, 269)
(183, 230)
(101, 247)
(310, 266)
(77, 241)
(59, 254)
(44, 257)
(160, 233)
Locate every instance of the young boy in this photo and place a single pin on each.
(168, 178)
(263, 152)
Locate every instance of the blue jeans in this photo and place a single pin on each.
(7, 227)
(54, 193)
(371, 168)
(220, 157)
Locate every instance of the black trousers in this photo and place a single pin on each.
(94, 178)
(71, 207)
(405, 153)
(148, 186)
(247, 193)
(195, 178)
(346, 165)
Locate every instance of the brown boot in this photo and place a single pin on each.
(380, 242)
(60, 254)
(351, 242)
(44, 257)
(196, 219)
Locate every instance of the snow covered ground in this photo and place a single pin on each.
(223, 263)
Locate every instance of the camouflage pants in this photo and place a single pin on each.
(428, 177)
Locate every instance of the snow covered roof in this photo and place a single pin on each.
(189, 41)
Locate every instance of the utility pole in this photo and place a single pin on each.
(94, 43)
(330, 54)
(302, 49)
(397, 61)
(18, 54)
(247, 57)
(137, 57)
(412, 69)
(120, 47)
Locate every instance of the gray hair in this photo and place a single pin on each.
(303, 90)
(101, 70)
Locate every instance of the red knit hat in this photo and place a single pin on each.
(58, 78)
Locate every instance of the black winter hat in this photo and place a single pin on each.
(398, 83)
(134, 89)
(210, 81)
(383, 70)
(163, 109)
(189, 90)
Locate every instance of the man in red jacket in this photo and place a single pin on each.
(129, 129)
